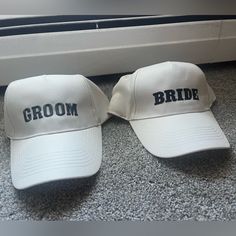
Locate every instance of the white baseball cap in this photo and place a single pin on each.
(54, 123)
(168, 107)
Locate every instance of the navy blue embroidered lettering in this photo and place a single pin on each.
(71, 109)
(187, 94)
(172, 95)
(36, 110)
(27, 115)
(60, 109)
(195, 94)
(159, 98)
(179, 94)
(48, 110)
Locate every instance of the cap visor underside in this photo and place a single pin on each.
(46, 158)
(177, 135)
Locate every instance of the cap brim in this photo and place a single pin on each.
(58, 156)
(177, 135)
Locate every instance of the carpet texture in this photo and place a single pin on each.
(132, 184)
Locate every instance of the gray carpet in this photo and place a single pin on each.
(132, 184)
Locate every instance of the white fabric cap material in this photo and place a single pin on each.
(168, 107)
(54, 123)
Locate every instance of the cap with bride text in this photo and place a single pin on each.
(168, 107)
(54, 123)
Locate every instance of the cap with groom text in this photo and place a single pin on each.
(54, 123)
(168, 107)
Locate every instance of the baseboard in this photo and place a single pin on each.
(115, 49)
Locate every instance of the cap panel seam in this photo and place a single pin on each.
(6, 110)
(207, 88)
(92, 104)
(211, 99)
(208, 95)
(134, 96)
(104, 97)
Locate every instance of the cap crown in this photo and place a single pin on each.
(51, 104)
(163, 89)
